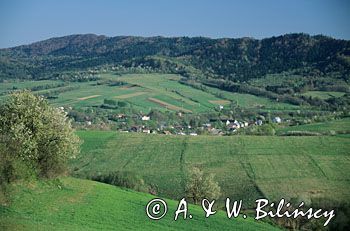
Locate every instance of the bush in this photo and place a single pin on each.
(301, 133)
(122, 104)
(110, 102)
(342, 218)
(113, 104)
(200, 186)
(122, 179)
(264, 130)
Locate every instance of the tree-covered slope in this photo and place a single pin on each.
(233, 59)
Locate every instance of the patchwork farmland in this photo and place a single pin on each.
(173, 117)
(142, 91)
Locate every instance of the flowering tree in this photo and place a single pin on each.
(200, 186)
(35, 138)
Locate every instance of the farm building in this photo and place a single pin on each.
(145, 118)
(277, 120)
(259, 122)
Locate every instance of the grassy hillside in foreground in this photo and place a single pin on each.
(246, 167)
(87, 205)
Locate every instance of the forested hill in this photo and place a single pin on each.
(231, 59)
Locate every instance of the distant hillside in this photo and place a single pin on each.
(231, 59)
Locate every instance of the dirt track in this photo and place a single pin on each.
(168, 105)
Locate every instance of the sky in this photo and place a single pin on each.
(27, 21)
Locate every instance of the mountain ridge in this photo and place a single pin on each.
(91, 35)
(236, 59)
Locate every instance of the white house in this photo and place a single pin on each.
(238, 125)
(145, 118)
(277, 120)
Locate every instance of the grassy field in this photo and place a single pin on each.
(324, 94)
(11, 85)
(340, 125)
(139, 92)
(252, 101)
(75, 204)
(246, 167)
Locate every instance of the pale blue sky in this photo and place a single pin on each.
(26, 21)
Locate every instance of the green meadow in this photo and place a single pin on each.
(339, 126)
(246, 167)
(74, 204)
(251, 101)
(324, 94)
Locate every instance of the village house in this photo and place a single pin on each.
(237, 124)
(145, 118)
(146, 131)
(259, 122)
(178, 127)
(214, 131)
(277, 120)
(135, 129)
(232, 126)
(121, 116)
(207, 125)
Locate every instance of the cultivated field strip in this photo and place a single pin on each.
(126, 96)
(89, 97)
(168, 105)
